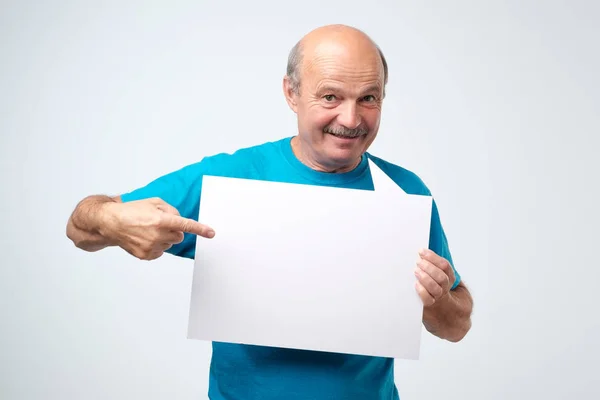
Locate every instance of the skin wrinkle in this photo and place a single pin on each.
(333, 86)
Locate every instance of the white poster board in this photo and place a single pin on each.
(310, 267)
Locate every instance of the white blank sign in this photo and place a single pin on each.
(310, 267)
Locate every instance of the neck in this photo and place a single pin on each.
(305, 158)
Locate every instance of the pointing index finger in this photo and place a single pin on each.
(187, 225)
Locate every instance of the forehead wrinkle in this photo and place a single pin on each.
(343, 87)
(329, 69)
(344, 74)
(344, 56)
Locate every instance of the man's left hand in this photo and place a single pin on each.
(435, 277)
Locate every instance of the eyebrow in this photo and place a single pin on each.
(330, 88)
(372, 88)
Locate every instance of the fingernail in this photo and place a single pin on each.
(211, 234)
(422, 252)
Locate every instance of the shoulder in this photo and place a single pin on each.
(408, 180)
(239, 163)
(187, 180)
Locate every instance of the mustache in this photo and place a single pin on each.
(343, 131)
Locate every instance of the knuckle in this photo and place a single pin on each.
(146, 248)
(151, 255)
(133, 252)
(142, 251)
(160, 218)
(156, 221)
(141, 254)
(450, 284)
(184, 226)
(445, 283)
(155, 237)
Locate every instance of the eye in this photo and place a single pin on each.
(369, 98)
(329, 97)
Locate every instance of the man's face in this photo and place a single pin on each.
(338, 108)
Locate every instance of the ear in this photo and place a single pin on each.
(290, 96)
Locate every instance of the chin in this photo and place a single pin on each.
(342, 157)
(343, 154)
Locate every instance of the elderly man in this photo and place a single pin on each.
(335, 83)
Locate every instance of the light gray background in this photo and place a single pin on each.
(494, 104)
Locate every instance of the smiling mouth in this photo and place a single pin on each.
(344, 136)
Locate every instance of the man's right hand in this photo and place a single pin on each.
(147, 228)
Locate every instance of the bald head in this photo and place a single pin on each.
(335, 84)
(346, 43)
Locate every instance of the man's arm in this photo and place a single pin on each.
(144, 228)
(86, 223)
(446, 311)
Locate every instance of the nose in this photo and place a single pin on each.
(349, 116)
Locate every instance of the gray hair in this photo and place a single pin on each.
(295, 61)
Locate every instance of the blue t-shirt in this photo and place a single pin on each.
(257, 372)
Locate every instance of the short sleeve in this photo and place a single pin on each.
(439, 243)
(181, 189)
